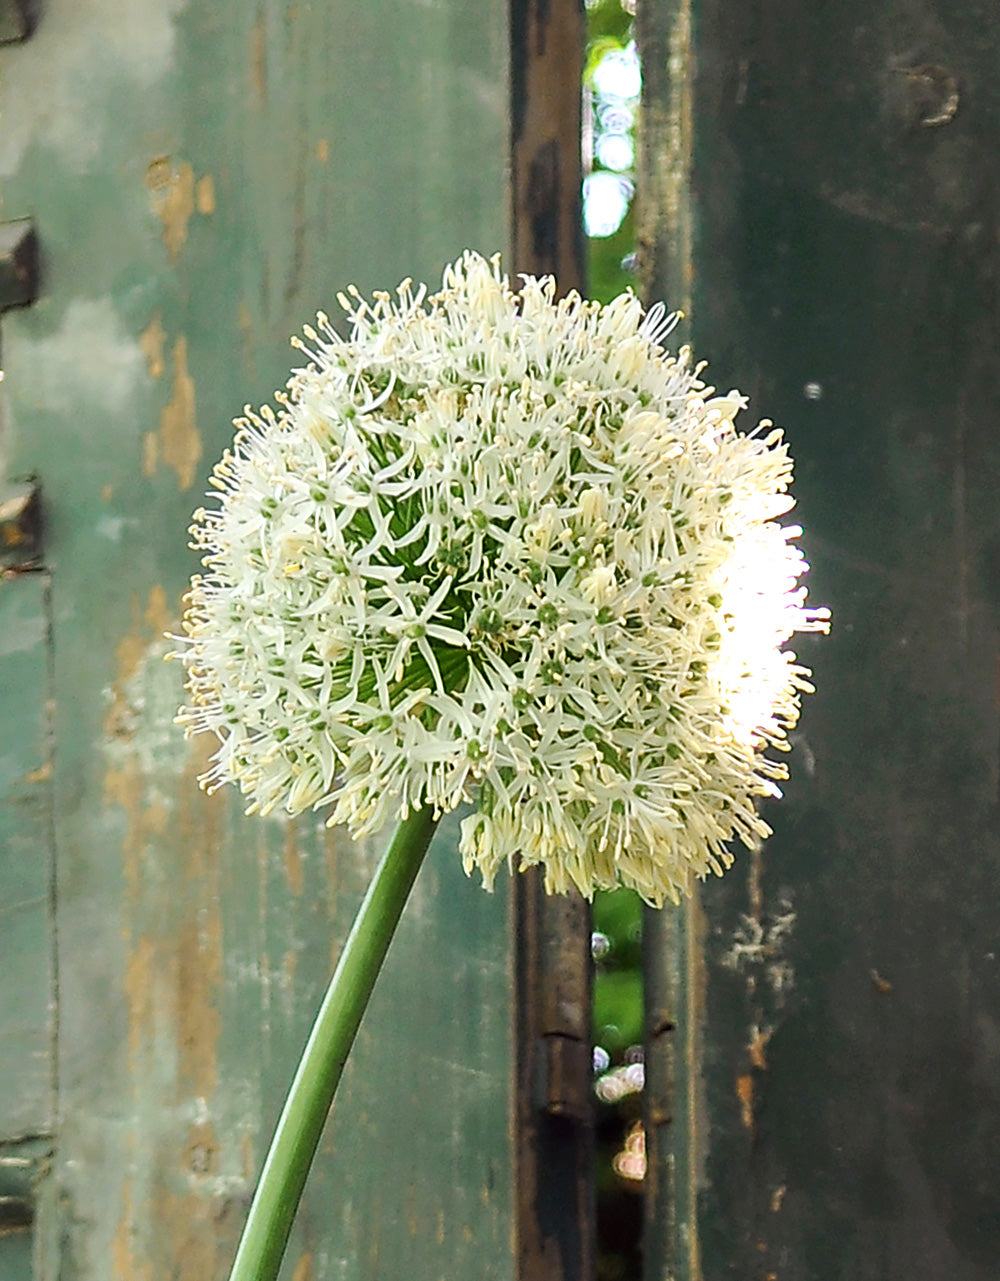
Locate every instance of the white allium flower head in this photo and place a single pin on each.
(501, 550)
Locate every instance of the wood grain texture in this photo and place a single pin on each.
(202, 178)
(554, 1223)
(843, 267)
(546, 68)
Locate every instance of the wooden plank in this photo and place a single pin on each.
(841, 273)
(202, 179)
(27, 980)
(547, 38)
(554, 1213)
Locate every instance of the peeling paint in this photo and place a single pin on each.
(758, 950)
(138, 993)
(125, 1265)
(292, 859)
(171, 187)
(199, 969)
(201, 1153)
(882, 985)
(151, 345)
(289, 964)
(174, 963)
(757, 1047)
(744, 1092)
(245, 323)
(304, 1268)
(140, 735)
(179, 442)
(204, 195)
(192, 1233)
(150, 453)
(160, 880)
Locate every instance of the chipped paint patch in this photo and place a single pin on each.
(245, 322)
(201, 1153)
(125, 1265)
(192, 1233)
(150, 453)
(140, 735)
(204, 195)
(248, 1161)
(758, 949)
(289, 964)
(171, 187)
(199, 970)
(303, 1268)
(744, 1092)
(178, 442)
(292, 859)
(173, 931)
(757, 1047)
(138, 993)
(151, 345)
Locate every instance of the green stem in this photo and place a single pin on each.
(283, 1177)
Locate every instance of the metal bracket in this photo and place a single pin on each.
(18, 263)
(16, 21)
(20, 526)
(22, 1165)
(554, 1114)
(562, 977)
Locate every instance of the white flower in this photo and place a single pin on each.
(499, 549)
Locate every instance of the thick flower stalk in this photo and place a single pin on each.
(499, 550)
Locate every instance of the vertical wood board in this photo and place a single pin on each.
(840, 188)
(203, 177)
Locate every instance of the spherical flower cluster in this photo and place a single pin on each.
(499, 549)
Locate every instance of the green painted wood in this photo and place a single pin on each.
(26, 932)
(838, 233)
(202, 178)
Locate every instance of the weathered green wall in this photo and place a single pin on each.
(204, 176)
(826, 179)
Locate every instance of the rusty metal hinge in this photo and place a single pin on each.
(20, 527)
(16, 20)
(18, 263)
(554, 1115)
(22, 1165)
(563, 1081)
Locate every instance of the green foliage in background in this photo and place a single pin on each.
(609, 30)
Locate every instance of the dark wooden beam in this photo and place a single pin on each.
(553, 1113)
